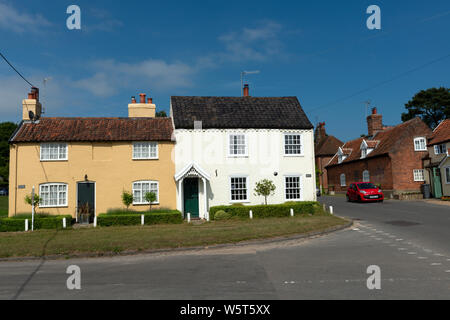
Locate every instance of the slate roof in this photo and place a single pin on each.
(441, 134)
(239, 113)
(387, 141)
(95, 129)
(328, 146)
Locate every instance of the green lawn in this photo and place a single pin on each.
(3, 206)
(119, 239)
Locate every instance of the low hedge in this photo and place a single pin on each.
(269, 211)
(16, 224)
(133, 219)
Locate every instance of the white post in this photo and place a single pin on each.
(26, 224)
(142, 220)
(207, 216)
(95, 222)
(64, 223)
(251, 214)
(331, 210)
(292, 212)
(32, 209)
(189, 217)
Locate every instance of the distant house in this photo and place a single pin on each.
(438, 163)
(225, 145)
(391, 157)
(325, 147)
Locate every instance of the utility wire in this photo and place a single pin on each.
(4, 58)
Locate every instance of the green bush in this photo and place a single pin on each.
(171, 217)
(16, 224)
(222, 215)
(267, 211)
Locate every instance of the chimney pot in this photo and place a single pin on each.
(133, 99)
(246, 90)
(142, 95)
(150, 100)
(374, 110)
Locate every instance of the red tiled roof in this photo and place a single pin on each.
(328, 146)
(95, 129)
(385, 140)
(441, 134)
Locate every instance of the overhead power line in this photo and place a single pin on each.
(9, 63)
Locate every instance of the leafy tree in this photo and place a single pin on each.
(127, 199)
(6, 130)
(150, 197)
(161, 114)
(265, 188)
(37, 200)
(432, 106)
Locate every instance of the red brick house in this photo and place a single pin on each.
(391, 157)
(325, 148)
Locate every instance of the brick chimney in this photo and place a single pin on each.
(374, 123)
(142, 109)
(246, 91)
(31, 106)
(320, 133)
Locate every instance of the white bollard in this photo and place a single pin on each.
(142, 220)
(207, 216)
(64, 223)
(95, 222)
(331, 210)
(189, 217)
(292, 212)
(26, 224)
(251, 214)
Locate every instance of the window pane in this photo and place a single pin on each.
(239, 189)
(292, 144)
(237, 145)
(292, 188)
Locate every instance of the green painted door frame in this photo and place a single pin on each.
(437, 183)
(190, 188)
(86, 201)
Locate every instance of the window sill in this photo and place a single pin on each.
(144, 204)
(50, 207)
(144, 159)
(293, 155)
(62, 160)
(239, 201)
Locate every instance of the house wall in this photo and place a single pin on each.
(209, 150)
(109, 165)
(445, 185)
(380, 170)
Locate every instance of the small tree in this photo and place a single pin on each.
(150, 197)
(37, 200)
(127, 199)
(265, 188)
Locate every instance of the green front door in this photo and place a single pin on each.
(437, 185)
(191, 198)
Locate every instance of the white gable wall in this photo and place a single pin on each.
(209, 150)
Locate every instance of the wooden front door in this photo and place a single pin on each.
(86, 202)
(191, 198)
(437, 183)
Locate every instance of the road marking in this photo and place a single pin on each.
(398, 239)
(401, 249)
(436, 264)
(438, 255)
(422, 258)
(412, 253)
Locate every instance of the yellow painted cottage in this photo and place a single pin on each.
(86, 164)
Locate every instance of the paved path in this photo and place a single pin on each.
(409, 241)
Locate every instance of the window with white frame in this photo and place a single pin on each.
(292, 144)
(53, 195)
(447, 175)
(341, 158)
(53, 151)
(237, 145)
(292, 188)
(420, 144)
(343, 180)
(238, 189)
(141, 188)
(440, 149)
(145, 150)
(419, 175)
(366, 176)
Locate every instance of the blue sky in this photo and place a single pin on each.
(319, 51)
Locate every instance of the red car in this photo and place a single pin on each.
(364, 192)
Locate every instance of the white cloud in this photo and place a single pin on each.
(109, 75)
(13, 20)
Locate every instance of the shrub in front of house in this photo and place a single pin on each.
(41, 222)
(222, 215)
(134, 219)
(268, 211)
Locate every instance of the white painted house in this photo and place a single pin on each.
(225, 145)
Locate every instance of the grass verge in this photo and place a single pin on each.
(3, 206)
(103, 241)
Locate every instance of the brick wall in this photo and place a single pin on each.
(321, 162)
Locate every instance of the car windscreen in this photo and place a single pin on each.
(364, 186)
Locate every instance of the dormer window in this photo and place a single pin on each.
(341, 155)
(365, 150)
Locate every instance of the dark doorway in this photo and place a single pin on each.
(191, 198)
(86, 202)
